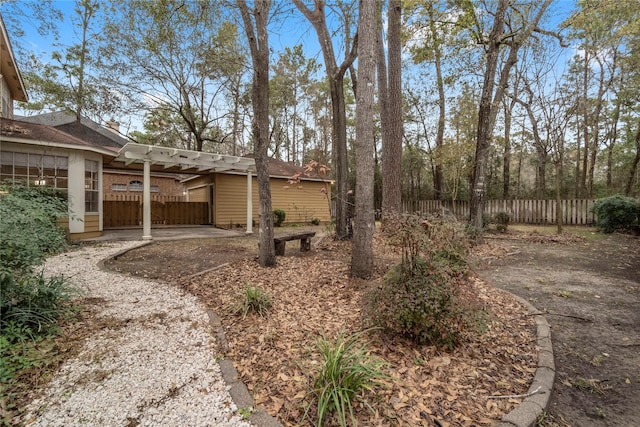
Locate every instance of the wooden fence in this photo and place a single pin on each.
(127, 197)
(129, 213)
(574, 211)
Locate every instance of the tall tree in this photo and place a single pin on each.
(290, 96)
(335, 75)
(364, 228)
(255, 26)
(71, 80)
(174, 54)
(520, 30)
(390, 99)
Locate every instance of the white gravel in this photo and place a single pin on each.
(154, 365)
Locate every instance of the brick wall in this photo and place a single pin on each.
(167, 185)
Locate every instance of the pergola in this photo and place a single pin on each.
(180, 161)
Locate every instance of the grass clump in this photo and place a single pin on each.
(346, 372)
(256, 300)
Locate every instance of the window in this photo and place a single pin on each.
(135, 186)
(154, 189)
(119, 187)
(91, 189)
(34, 169)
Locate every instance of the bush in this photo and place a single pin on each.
(30, 304)
(427, 297)
(347, 369)
(502, 221)
(616, 213)
(315, 221)
(431, 305)
(279, 215)
(28, 229)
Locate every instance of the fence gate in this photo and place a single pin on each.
(129, 213)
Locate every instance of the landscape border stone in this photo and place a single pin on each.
(526, 414)
(238, 390)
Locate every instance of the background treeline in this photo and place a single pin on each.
(180, 72)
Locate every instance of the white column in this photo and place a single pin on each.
(249, 203)
(146, 202)
(75, 189)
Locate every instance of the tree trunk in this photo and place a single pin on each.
(335, 74)
(634, 166)
(393, 134)
(585, 124)
(506, 153)
(577, 185)
(437, 58)
(559, 213)
(613, 135)
(259, 46)
(489, 107)
(484, 118)
(364, 226)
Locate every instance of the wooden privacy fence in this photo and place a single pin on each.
(129, 213)
(574, 211)
(126, 197)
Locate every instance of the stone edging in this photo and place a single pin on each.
(238, 391)
(526, 413)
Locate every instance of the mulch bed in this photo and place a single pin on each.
(313, 295)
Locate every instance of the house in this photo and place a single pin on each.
(43, 155)
(303, 202)
(11, 84)
(90, 162)
(116, 184)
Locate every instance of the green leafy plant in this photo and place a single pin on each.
(502, 221)
(256, 300)
(33, 305)
(347, 370)
(279, 216)
(28, 228)
(315, 221)
(616, 213)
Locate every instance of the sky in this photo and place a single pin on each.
(294, 30)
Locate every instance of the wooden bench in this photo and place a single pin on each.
(304, 237)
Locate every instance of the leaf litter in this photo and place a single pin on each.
(312, 294)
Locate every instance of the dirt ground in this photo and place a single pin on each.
(590, 290)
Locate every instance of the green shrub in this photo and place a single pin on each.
(279, 216)
(30, 304)
(28, 229)
(256, 300)
(315, 221)
(346, 371)
(616, 213)
(502, 221)
(427, 297)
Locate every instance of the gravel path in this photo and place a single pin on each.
(153, 365)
